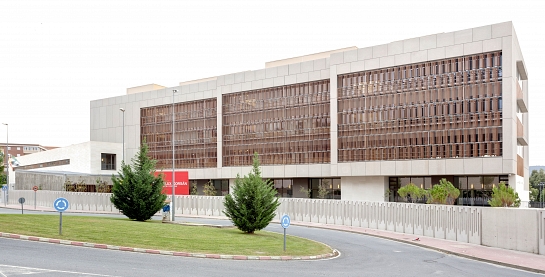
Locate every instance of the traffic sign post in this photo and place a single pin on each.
(61, 205)
(285, 222)
(21, 201)
(35, 189)
(4, 188)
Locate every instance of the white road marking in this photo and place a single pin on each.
(31, 270)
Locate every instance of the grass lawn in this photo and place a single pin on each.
(156, 235)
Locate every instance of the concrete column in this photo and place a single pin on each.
(219, 129)
(333, 113)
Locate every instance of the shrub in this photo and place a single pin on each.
(504, 196)
(137, 192)
(322, 189)
(306, 191)
(81, 186)
(194, 190)
(209, 189)
(411, 192)
(102, 186)
(252, 205)
(69, 186)
(443, 193)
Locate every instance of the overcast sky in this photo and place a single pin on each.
(57, 56)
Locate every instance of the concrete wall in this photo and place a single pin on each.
(364, 188)
(507, 228)
(26, 180)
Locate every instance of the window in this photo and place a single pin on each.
(107, 161)
(18, 148)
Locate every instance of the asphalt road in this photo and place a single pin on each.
(360, 256)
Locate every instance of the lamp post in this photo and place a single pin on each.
(540, 199)
(7, 160)
(123, 111)
(173, 181)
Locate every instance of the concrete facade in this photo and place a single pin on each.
(360, 180)
(83, 158)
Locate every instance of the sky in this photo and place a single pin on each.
(57, 56)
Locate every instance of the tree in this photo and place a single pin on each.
(136, 192)
(535, 178)
(3, 176)
(253, 203)
(411, 192)
(209, 189)
(504, 196)
(194, 190)
(305, 191)
(322, 189)
(443, 193)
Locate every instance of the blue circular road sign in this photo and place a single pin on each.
(61, 204)
(285, 221)
(4, 188)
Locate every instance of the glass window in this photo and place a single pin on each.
(107, 161)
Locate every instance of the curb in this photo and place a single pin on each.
(335, 253)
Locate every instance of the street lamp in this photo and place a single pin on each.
(7, 160)
(123, 111)
(173, 181)
(540, 199)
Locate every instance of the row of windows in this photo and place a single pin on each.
(393, 113)
(46, 164)
(291, 127)
(195, 133)
(460, 121)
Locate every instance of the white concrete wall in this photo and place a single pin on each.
(84, 157)
(507, 228)
(514, 229)
(364, 188)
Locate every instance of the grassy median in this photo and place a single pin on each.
(156, 235)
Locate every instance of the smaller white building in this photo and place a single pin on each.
(92, 157)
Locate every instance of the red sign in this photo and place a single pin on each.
(182, 182)
(35, 188)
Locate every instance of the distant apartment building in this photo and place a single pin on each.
(17, 149)
(360, 122)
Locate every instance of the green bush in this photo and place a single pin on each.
(194, 190)
(209, 189)
(137, 191)
(443, 193)
(504, 196)
(252, 205)
(411, 192)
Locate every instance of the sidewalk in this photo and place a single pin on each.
(508, 258)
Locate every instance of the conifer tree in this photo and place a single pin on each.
(253, 203)
(136, 192)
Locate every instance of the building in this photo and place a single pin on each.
(88, 160)
(361, 122)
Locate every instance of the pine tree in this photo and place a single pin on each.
(253, 204)
(137, 192)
